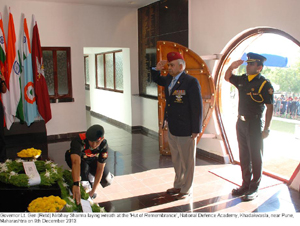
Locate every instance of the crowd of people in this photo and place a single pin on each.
(288, 107)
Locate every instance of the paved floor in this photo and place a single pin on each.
(142, 176)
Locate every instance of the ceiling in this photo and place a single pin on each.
(116, 3)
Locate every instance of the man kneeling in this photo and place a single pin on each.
(86, 158)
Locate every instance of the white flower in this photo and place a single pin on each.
(48, 162)
(8, 160)
(53, 166)
(47, 174)
(54, 171)
(68, 205)
(3, 168)
(19, 160)
(65, 184)
(71, 200)
(102, 210)
(12, 173)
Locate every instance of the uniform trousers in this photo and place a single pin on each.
(183, 153)
(89, 166)
(249, 138)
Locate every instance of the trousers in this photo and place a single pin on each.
(183, 154)
(250, 151)
(89, 166)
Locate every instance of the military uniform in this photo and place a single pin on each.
(89, 158)
(253, 95)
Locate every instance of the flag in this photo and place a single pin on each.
(40, 85)
(12, 96)
(29, 106)
(2, 48)
(2, 56)
(20, 113)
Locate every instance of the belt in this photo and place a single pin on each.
(248, 118)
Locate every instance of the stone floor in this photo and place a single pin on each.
(142, 176)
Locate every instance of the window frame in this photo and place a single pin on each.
(87, 86)
(104, 71)
(56, 97)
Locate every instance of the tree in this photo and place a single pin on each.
(287, 78)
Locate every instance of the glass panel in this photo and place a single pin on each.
(48, 69)
(147, 86)
(119, 70)
(100, 71)
(87, 73)
(109, 70)
(62, 72)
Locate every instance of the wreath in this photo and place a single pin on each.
(65, 184)
(12, 172)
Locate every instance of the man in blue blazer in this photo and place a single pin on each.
(183, 118)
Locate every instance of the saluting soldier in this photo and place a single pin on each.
(87, 159)
(255, 92)
(183, 118)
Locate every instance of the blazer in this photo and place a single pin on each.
(183, 109)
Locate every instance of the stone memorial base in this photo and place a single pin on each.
(17, 199)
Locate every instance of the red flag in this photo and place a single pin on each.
(40, 85)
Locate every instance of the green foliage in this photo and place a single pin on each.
(71, 204)
(12, 172)
(286, 127)
(287, 78)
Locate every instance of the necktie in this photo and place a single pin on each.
(171, 85)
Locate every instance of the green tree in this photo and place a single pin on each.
(287, 78)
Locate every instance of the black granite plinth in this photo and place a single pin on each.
(20, 136)
(17, 199)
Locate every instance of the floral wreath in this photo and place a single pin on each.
(12, 172)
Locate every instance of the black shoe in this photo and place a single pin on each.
(239, 191)
(249, 196)
(173, 191)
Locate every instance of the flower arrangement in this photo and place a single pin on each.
(65, 184)
(47, 204)
(12, 172)
(29, 153)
